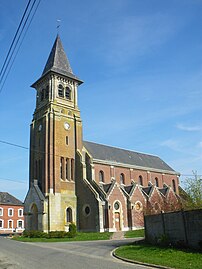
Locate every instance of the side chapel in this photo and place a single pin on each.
(98, 187)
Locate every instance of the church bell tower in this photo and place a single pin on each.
(55, 136)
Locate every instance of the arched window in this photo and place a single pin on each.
(174, 185)
(156, 182)
(101, 176)
(42, 95)
(67, 93)
(69, 214)
(122, 178)
(47, 92)
(60, 91)
(1, 223)
(140, 181)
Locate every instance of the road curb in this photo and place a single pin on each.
(137, 262)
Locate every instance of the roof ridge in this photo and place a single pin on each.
(149, 154)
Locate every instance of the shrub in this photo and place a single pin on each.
(72, 230)
(34, 234)
(57, 234)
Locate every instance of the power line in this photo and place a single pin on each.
(19, 47)
(5, 70)
(43, 152)
(14, 180)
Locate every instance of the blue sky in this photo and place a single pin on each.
(141, 62)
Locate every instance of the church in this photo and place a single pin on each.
(98, 187)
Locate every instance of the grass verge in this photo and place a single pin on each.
(79, 237)
(170, 257)
(135, 233)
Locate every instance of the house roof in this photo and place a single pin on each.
(8, 199)
(58, 62)
(118, 155)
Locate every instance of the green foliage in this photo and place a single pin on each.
(193, 188)
(170, 257)
(72, 230)
(80, 236)
(34, 234)
(57, 234)
(134, 233)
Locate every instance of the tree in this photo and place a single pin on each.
(193, 189)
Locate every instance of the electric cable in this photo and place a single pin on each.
(11, 49)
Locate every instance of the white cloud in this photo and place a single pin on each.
(189, 128)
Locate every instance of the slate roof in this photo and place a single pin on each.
(8, 199)
(128, 188)
(58, 62)
(107, 187)
(118, 155)
(164, 190)
(147, 190)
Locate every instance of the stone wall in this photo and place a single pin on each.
(181, 228)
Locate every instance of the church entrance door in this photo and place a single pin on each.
(117, 221)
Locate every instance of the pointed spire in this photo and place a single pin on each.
(58, 62)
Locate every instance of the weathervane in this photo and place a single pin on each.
(58, 25)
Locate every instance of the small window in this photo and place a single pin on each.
(140, 181)
(10, 224)
(60, 91)
(116, 206)
(174, 185)
(122, 178)
(69, 214)
(67, 168)
(1, 211)
(72, 169)
(67, 140)
(20, 224)
(67, 93)
(101, 176)
(87, 210)
(62, 168)
(20, 212)
(47, 92)
(138, 206)
(42, 94)
(1, 223)
(10, 212)
(156, 182)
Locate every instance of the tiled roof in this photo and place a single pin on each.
(58, 62)
(128, 188)
(147, 190)
(164, 190)
(8, 199)
(107, 187)
(117, 155)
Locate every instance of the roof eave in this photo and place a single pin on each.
(34, 85)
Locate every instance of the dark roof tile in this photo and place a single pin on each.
(112, 154)
(8, 199)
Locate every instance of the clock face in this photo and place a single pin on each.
(40, 128)
(66, 126)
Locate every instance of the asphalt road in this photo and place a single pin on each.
(70, 255)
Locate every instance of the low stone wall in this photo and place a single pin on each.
(180, 228)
